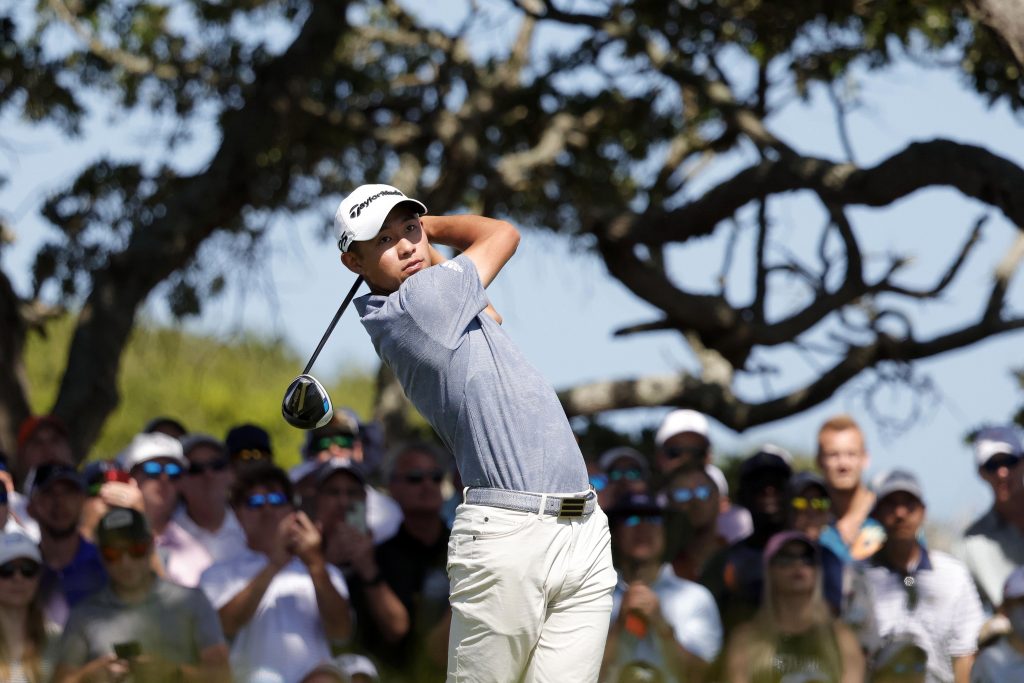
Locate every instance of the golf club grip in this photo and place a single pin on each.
(330, 328)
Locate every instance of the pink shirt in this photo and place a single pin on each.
(184, 558)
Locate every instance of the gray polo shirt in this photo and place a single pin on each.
(174, 622)
(991, 548)
(460, 369)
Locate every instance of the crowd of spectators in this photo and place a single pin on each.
(193, 558)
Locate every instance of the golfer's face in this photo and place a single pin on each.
(398, 252)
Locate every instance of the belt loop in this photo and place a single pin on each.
(465, 490)
(543, 504)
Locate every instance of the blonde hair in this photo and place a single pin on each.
(35, 642)
(838, 423)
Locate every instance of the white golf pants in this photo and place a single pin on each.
(531, 596)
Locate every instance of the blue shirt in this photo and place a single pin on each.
(489, 405)
(65, 588)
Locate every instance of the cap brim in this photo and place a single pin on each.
(383, 210)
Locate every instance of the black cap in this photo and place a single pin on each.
(769, 457)
(635, 504)
(247, 437)
(122, 524)
(801, 480)
(335, 465)
(44, 475)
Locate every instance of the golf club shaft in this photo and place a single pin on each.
(330, 328)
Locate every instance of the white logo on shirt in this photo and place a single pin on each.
(453, 265)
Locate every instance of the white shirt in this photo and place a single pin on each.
(285, 638)
(383, 515)
(946, 619)
(691, 611)
(226, 542)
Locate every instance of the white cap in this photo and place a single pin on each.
(1014, 586)
(145, 447)
(361, 214)
(718, 476)
(678, 422)
(16, 544)
(996, 441)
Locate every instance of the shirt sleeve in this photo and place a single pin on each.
(696, 623)
(221, 582)
(969, 617)
(444, 299)
(208, 628)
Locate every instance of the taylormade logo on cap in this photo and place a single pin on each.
(361, 214)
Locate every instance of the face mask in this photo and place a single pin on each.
(1016, 617)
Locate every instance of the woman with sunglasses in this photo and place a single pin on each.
(24, 638)
(793, 635)
(692, 507)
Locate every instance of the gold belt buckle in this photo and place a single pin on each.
(572, 507)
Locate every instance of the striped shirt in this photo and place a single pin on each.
(936, 602)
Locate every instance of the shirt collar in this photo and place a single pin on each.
(924, 562)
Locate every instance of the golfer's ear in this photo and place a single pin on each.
(352, 262)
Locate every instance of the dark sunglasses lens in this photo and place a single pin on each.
(27, 568)
(306, 404)
(996, 464)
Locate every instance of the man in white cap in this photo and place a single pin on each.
(529, 558)
(907, 588)
(1004, 659)
(994, 544)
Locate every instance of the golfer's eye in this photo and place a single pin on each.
(384, 240)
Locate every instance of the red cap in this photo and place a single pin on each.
(31, 424)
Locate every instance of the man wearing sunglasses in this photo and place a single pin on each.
(529, 533)
(72, 566)
(280, 602)
(692, 506)
(157, 464)
(658, 618)
(905, 587)
(139, 624)
(993, 546)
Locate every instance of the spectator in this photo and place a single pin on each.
(205, 488)
(900, 660)
(165, 425)
(248, 445)
(42, 439)
(340, 439)
(691, 518)
(807, 506)
(842, 459)
(734, 522)
(793, 636)
(682, 439)
(25, 652)
(906, 589)
(279, 601)
(627, 472)
(735, 575)
(156, 463)
(994, 544)
(657, 617)
(346, 668)
(1004, 660)
(139, 623)
(73, 569)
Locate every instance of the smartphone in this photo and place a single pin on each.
(356, 516)
(129, 650)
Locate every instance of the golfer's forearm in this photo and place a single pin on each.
(463, 231)
(388, 611)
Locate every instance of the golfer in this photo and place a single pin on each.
(529, 557)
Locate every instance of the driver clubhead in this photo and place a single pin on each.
(306, 404)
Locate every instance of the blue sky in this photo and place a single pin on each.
(561, 306)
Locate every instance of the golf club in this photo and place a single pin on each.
(306, 404)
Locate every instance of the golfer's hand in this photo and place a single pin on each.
(305, 540)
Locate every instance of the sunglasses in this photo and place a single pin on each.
(637, 520)
(996, 463)
(27, 568)
(418, 476)
(599, 481)
(136, 550)
(804, 503)
(198, 468)
(261, 500)
(676, 452)
(793, 559)
(632, 474)
(153, 469)
(250, 454)
(339, 440)
(685, 495)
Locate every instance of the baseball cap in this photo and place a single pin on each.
(30, 425)
(40, 477)
(801, 480)
(718, 476)
(145, 447)
(122, 524)
(898, 481)
(768, 457)
(335, 465)
(635, 504)
(247, 437)
(15, 544)
(778, 541)
(994, 441)
(304, 469)
(1014, 586)
(678, 422)
(609, 457)
(190, 441)
(361, 214)
(344, 423)
(156, 423)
